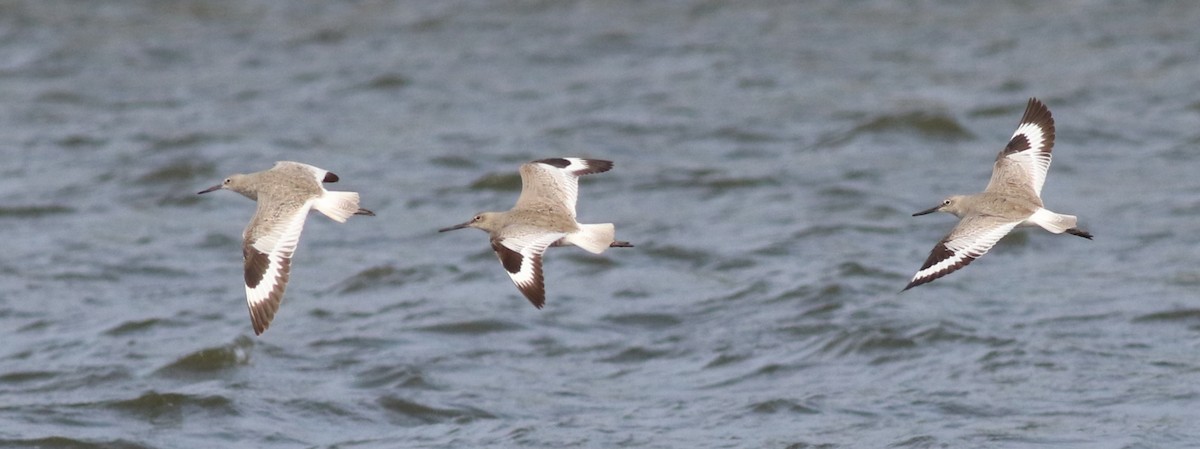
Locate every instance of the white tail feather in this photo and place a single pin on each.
(337, 205)
(594, 238)
(1053, 222)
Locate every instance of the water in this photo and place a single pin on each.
(768, 154)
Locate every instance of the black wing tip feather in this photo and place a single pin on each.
(261, 318)
(330, 177)
(557, 162)
(262, 313)
(512, 261)
(593, 165)
(597, 166)
(1038, 114)
(535, 292)
(938, 254)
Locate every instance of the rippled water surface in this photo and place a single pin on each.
(768, 157)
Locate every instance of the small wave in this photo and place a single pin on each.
(860, 341)
(34, 211)
(20, 377)
(384, 276)
(507, 182)
(621, 128)
(181, 141)
(81, 141)
(705, 179)
(153, 406)
(889, 344)
(389, 377)
(68, 98)
(928, 125)
(406, 412)
(386, 82)
(741, 135)
(635, 354)
(1178, 315)
(209, 360)
(136, 326)
(57, 442)
(648, 321)
(473, 327)
(726, 359)
(179, 171)
(677, 253)
(456, 161)
(783, 406)
(920, 441)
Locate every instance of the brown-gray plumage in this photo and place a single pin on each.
(544, 216)
(284, 193)
(1012, 198)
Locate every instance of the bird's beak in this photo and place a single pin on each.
(928, 211)
(210, 189)
(457, 226)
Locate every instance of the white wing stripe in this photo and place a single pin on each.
(528, 246)
(1035, 160)
(279, 244)
(972, 245)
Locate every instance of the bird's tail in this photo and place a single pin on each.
(338, 205)
(594, 238)
(1053, 222)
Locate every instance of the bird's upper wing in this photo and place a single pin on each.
(1023, 163)
(554, 183)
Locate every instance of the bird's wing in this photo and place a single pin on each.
(1023, 163)
(521, 256)
(554, 183)
(267, 247)
(969, 240)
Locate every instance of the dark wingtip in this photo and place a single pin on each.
(1038, 113)
(620, 244)
(591, 166)
(366, 212)
(599, 165)
(330, 177)
(555, 162)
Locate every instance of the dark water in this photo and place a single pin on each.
(768, 157)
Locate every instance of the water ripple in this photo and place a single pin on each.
(409, 413)
(57, 442)
(203, 362)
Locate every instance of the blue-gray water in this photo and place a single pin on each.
(769, 155)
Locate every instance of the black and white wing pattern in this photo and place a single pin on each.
(267, 247)
(969, 240)
(521, 256)
(1025, 160)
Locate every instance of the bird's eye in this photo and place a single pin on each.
(946, 203)
(477, 218)
(227, 180)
